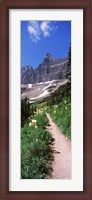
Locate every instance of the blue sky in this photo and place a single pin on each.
(41, 37)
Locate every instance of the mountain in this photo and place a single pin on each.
(43, 91)
(26, 74)
(50, 69)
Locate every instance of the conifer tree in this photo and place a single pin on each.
(68, 75)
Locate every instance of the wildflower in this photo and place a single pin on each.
(36, 140)
(30, 124)
(66, 107)
(65, 101)
(36, 126)
(55, 106)
(54, 111)
(34, 122)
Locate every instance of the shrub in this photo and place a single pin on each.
(27, 110)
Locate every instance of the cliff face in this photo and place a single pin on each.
(50, 69)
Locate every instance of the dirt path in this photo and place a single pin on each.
(62, 152)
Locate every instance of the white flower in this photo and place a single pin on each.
(65, 101)
(36, 140)
(66, 108)
(30, 124)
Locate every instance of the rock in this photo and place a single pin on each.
(50, 69)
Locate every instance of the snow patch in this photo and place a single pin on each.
(50, 84)
(41, 95)
(29, 85)
(44, 93)
(47, 82)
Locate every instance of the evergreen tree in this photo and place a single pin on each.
(25, 110)
(68, 76)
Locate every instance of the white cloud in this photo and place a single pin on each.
(33, 28)
(37, 29)
(46, 34)
(45, 28)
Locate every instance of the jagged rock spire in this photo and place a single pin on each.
(48, 55)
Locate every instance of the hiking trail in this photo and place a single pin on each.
(62, 152)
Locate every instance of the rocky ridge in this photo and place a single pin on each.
(50, 69)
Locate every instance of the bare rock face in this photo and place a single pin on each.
(50, 69)
(26, 74)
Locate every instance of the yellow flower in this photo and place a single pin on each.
(34, 122)
(36, 126)
(30, 124)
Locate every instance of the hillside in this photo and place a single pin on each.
(44, 91)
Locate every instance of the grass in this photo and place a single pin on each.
(36, 141)
(36, 152)
(61, 115)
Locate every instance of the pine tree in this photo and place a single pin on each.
(25, 110)
(68, 75)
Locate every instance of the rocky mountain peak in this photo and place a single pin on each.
(49, 56)
(50, 69)
(27, 67)
(48, 59)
